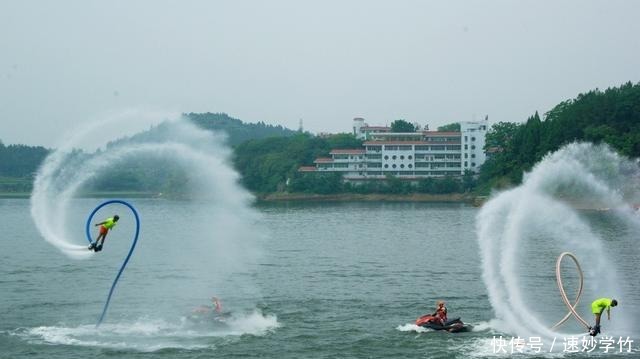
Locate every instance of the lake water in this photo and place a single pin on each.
(315, 280)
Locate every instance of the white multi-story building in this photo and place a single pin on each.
(407, 155)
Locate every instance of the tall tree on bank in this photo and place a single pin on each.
(451, 127)
(402, 126)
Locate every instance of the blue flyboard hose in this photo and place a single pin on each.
(126, 260)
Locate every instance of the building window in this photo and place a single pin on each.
(466, 138)
(409, 157)
(401, 166)
(386, 157)
(410, 165)
(393, 157)
(466, 155)
(402, 157)
(473, 147)
(466, 147)
(473, 164)
(393, 165)
(386, 166)
(473, 155)
(473, 138)
(466, 164)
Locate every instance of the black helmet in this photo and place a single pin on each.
(614, 302)
(116, 217)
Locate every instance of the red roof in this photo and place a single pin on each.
(306, 169)
(323, 160)
(395, 143)
(369, 143)
(347, 151)
(438, 133)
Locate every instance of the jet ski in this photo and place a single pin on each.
(453, 326)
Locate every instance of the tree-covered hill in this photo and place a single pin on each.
(237, 130)
(268, 157)
(18, 164)
(611, 116)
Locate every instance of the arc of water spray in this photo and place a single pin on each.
(563, 294)
(126, 260)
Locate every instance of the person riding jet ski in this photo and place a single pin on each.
(439, 321)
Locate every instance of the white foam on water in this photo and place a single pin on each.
(484, 326)
(491, 348)
(254, 323)
(151, 335)
(409, 327)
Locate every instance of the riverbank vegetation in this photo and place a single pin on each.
(268, 157)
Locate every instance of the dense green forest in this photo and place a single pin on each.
(611, 116)
(266, 164)
(19, 163)
(268, 157)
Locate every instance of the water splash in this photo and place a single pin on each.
(522, 231)
(208, 259)
(63, 173)
(410, 327)
(150, 335)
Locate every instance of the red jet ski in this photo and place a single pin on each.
(453, 326)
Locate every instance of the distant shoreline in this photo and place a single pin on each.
(8, 195)
(373, 197)
(302, 197)
(25, 195)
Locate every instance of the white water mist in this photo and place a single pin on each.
(522, 231)
(222, 242)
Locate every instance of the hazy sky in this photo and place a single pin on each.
(63, 63)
